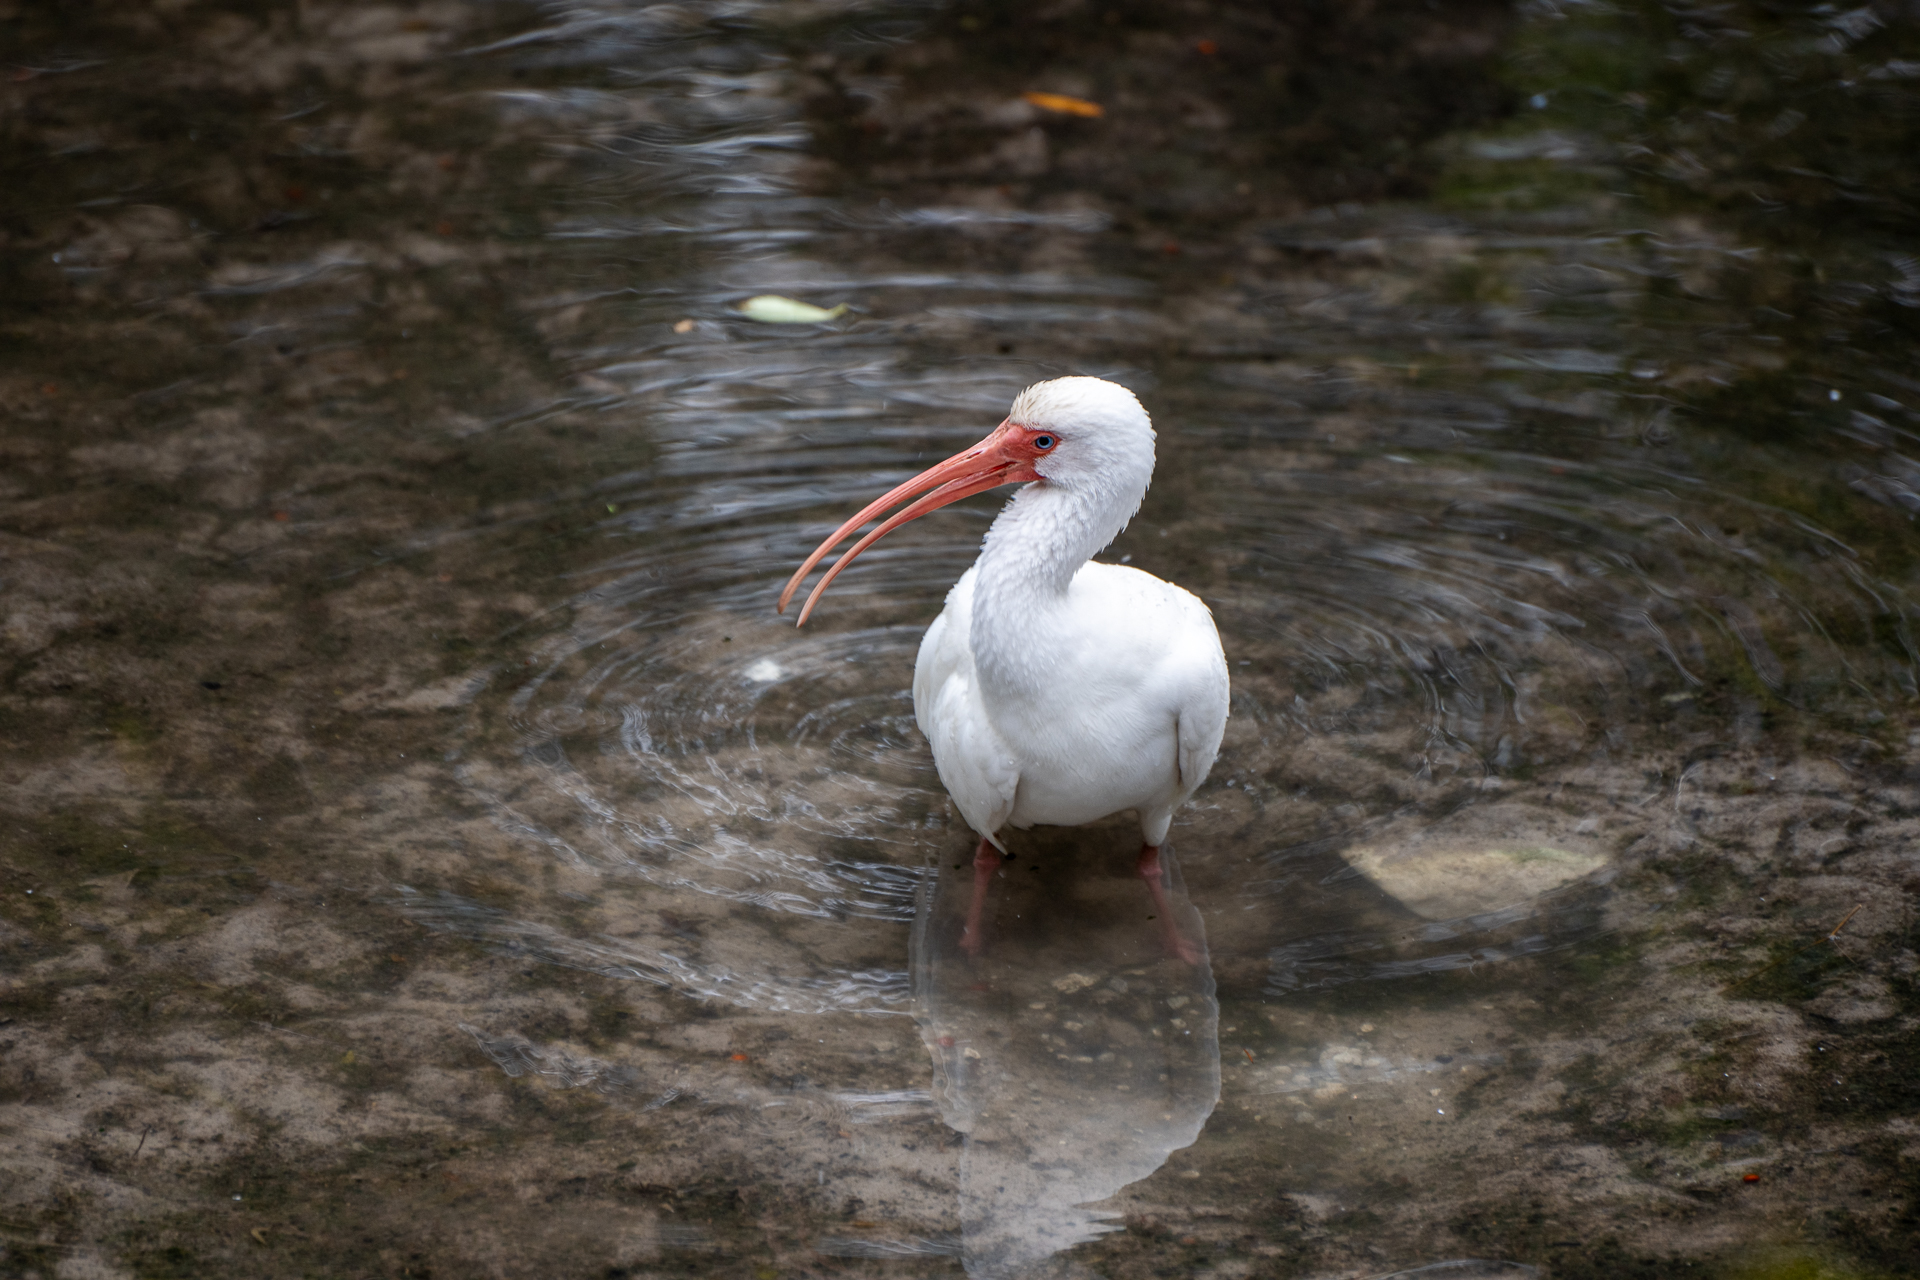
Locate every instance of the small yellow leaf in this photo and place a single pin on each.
(260, 1234)
(348, 1060)
(1066, 106)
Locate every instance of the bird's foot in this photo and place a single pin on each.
(1177, 944)
(1179, 947)
(986, 861)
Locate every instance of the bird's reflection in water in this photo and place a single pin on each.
(1074, 1054)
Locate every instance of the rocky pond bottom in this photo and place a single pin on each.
(424, 852)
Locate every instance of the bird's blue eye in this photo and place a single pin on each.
(1043, 442)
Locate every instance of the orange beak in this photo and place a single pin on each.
(1004, 457)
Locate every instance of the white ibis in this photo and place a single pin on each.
(1055, 689)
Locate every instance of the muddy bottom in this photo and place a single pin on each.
(425, 852)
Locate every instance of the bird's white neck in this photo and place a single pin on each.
(1035, 547)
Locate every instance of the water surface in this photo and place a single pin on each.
(427, 851)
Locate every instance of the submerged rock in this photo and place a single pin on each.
(1480, 861)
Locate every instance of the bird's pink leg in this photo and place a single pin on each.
(986, 861)
(1177, 945)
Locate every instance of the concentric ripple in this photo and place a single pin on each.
(1462, 561)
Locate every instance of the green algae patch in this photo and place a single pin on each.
(1793, 1265)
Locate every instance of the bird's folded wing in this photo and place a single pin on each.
(1200, 727)
(943, 653)
(1202, 718)
(975, 765)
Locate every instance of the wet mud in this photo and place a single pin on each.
(423, 851)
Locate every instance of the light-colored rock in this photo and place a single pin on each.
(1481, 859)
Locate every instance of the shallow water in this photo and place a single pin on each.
(431, 854)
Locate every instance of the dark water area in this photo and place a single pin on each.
(424, 851)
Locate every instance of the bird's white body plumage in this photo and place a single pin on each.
(1057, 690)
(1137, 727)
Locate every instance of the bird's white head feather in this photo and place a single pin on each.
(1092, 481)
(1106, 437)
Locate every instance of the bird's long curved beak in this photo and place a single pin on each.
(1002, 458)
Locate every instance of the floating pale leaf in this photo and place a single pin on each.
(771, 308)
(1066, 106)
